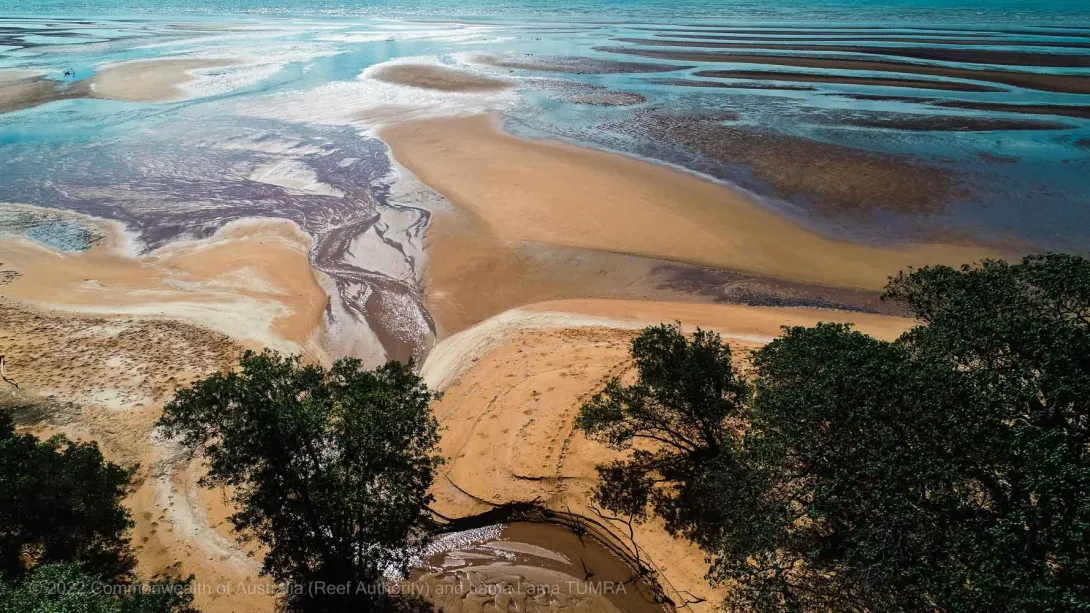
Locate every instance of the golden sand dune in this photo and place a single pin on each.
(150, 80)
(513, 385)
(251, 281)
(430, 76)
(557, 194)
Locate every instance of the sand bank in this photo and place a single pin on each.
(441, 78)
(513, 385)
(150, 80)
(20, 89)
(117, 334)
(250, 281)
(111, 376)
(556, 194)
(471, 275)
(803, 77)
(1069, 84)
(571, 64)
(970, 56)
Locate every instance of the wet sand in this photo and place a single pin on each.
(250, 281)
(971, 56)
(938, 123)
(961, 42)
(572, 64)
(471, 275)
(513, 385)
(773, 75)
(427, 76)
(883, 30)
(1060, 110)
(533, 568)
(1064, 110)
(607, 98)
(21, 89)
(556, 194)
(1071, 84)
(847, 185)
(720, 85)
(150, 80)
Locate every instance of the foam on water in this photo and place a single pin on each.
(371, 103)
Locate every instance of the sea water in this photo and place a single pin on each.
(300, 87)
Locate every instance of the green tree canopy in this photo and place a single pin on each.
(60, 501)
(62, 587)
(686, 404)
(949, 470)
(328, 469)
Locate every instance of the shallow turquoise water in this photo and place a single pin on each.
(1024, 175)
(968, 120)
(881, 10)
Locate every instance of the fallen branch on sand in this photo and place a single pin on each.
(4, 374)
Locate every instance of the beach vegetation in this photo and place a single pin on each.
(64, 587)
(948, 470)
(328, 470)
(61, 501)
(64, 544)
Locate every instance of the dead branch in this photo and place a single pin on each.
(4, 374)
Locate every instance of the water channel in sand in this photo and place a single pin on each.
(532, 567)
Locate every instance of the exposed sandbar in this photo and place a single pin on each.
(882, 30)
(1064, 110)
(720, 85)
(512, 387)
(800, 77)
(471, 275)
(21, 89)
(912, 122)
(961, 42)
(972, 56)
(573, 64)
(556, 194)
(441, 78)
(1070, 84)
(841, 182)
(250, 281)
(150, 80)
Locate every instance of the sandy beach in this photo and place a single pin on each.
(105, 378)
(513, 385)
(152, 80)
(102, 338)
(552, 193)
(250, 281)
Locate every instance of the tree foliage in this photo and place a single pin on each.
(60, 501)
(949, 470)
(62, 587)
(686, 403)
(329, 469)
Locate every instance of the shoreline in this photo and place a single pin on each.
(512, 386)
(556, 194)
(250, 281)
